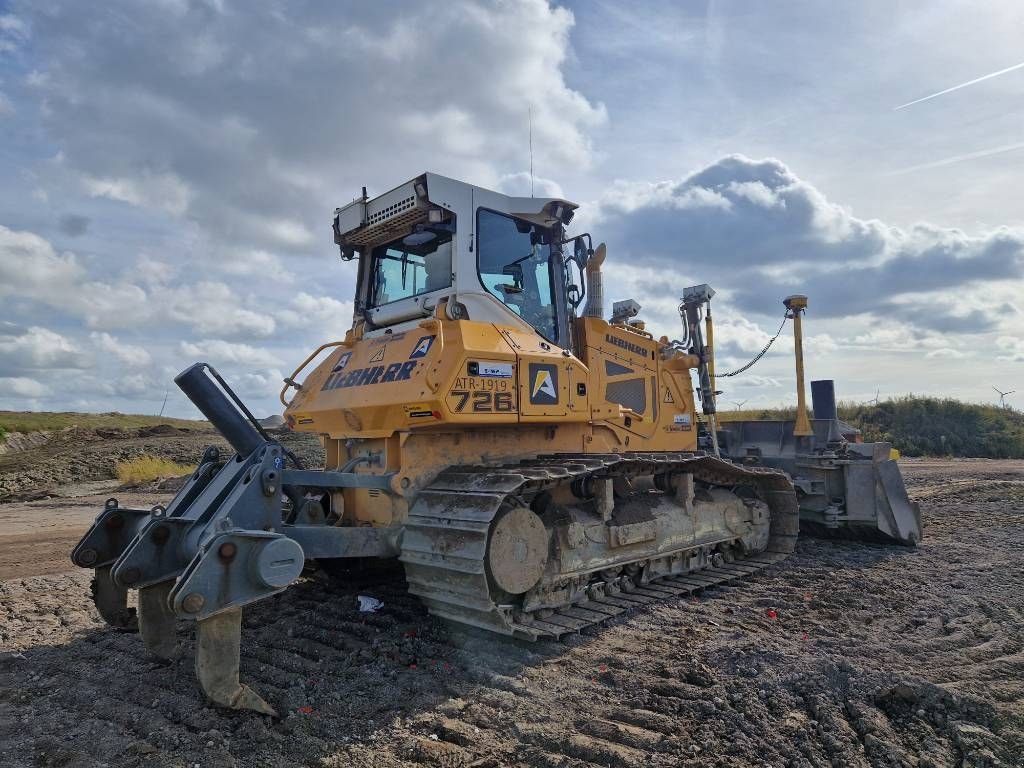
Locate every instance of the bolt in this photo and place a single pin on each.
(193, 602)
(227, 551)
(161, 534)
(88, 556)
(130, 575)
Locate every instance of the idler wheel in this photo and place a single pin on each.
(518, 550)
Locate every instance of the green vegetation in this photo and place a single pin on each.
(146, 468)
(925, 426)
(24, 421)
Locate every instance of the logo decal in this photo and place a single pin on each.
(342, 362)
(378, 355)
(543, 384)
(422, 347)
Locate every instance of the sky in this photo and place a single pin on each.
(168, 172)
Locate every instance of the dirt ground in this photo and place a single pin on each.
(846, 654)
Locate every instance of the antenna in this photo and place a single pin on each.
(1003, 396)
(530, 112)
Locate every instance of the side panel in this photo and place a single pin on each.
(634, 393)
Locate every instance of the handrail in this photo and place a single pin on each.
(290, 380)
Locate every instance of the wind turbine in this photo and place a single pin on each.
(739, 404)
(874, 400)
(1002, 396)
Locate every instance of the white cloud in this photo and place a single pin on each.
(163, 191)
(320, 314)
(129, 354)
(945, 353)
(1012, 349)
(22, 387)
(218, 352)
(190, 117)
(30, 267)
(37, 348)
(521, 185)
(758, 219)
(213, 308)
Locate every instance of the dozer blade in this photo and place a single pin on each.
(157, 622)
(877, 505)
(218, 647)
(112, 601)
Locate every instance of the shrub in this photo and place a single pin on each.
(146, 468)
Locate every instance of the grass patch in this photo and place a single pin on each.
(146, 468)
(36, 421)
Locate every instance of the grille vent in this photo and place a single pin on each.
(392, 210)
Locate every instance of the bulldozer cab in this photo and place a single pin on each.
(485, 256)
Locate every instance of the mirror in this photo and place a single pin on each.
(580, 252)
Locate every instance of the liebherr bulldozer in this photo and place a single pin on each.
(533, 466)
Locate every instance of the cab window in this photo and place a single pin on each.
(412, 265)
(515, 263)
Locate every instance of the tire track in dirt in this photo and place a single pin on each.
(876, 656)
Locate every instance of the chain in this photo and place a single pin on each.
(760, 354)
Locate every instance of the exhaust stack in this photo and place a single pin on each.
(595, 284)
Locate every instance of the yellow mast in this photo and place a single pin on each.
(796, 305)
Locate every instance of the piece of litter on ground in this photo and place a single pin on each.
(369, 604)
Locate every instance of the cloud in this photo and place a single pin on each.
(129, 354)
(218, 352)
(163, 191)
(257, 149)
(521, 185)
(22, 387)
(757, 219)
(214, 308)
(1012, 349)
(29, 265)
(35, 349)
(945, 353)
(321, 314)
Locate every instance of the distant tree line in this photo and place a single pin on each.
(931, 426)
(925, 426)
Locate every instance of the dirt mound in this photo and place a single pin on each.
(846, 654)
(80, 455)
(160, 430)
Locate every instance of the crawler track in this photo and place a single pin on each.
(445, 543)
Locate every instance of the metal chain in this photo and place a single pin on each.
(760, 354)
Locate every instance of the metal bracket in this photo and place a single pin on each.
(235, 568)
(110, 534)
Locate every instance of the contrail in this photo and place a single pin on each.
(989, 76)
(960, 158)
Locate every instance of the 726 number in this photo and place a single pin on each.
(484, 402)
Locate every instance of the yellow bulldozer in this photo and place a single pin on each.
(535, 467)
